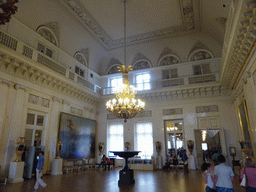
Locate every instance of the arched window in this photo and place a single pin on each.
(200, 54)
(80, 58)
(113, 69)
(168, 60)
(141, 64)
(48, 34)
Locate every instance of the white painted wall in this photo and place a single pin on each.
(226, 116)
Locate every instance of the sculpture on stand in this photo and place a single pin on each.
(58, 149)
(191, 158)
(101, 147)
(20, 148)
(158, 147)
(158, 157)
(127, 146)
(190, 144)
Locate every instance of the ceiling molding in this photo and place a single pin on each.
(190, 10)
(241, 47)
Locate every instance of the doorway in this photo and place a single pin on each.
(208, 145)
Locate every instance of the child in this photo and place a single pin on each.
(208, 177)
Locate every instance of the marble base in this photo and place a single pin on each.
(126, 177)
(57, 167)
(191, 162)
(16, 172)
(158, 162)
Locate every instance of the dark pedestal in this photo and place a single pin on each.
(126, 177)
(126, 174)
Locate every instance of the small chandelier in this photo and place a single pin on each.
(125, 106)
(7, 8)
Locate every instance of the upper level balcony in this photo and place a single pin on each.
(162, 78)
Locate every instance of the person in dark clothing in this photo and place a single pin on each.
(185, 160)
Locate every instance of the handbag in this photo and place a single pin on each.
(244, 180)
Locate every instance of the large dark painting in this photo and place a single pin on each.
(78, 137)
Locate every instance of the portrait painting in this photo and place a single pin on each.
(78, 137)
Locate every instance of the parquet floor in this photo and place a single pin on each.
(107, 181)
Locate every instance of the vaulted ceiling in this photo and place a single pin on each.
(147, 20)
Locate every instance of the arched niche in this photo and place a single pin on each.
(141, 64)
(80, 58)
(169, 59)
(48, 34)
(113, 69)
(200, 54)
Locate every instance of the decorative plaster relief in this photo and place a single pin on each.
(254, 77)
(144, 114)
(46, 33)
(37, 100)
(169, 60)
(94, 27)
(76, 111)
(111, 116)
(176, 111)
(207, 109)
(143, 64)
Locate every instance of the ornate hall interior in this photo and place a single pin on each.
(193, 65)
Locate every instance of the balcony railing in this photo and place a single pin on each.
(33, 54)
(161, 84)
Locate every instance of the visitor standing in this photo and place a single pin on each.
(39, 171)
(223, 176)
(185, 160)
(175, 161)
(250, 171)
(208, 177)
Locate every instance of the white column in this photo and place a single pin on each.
(4, 87)
(53, 129)
(14, 124)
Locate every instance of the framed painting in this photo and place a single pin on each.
(78, 137)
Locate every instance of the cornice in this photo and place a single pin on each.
(206, 91)
(37, 76)
(190, 17)
(241, 45)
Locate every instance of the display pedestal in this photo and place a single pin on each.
(126, 174)
(16, 172)
(158, 162)
(126, 177)
(57, 167)
(191, 162)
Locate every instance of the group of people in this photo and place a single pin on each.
(174, 161)
(221, 180)
(105, 161)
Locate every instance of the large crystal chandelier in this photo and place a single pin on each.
(125, 106)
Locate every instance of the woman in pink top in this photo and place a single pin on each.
(250, 172)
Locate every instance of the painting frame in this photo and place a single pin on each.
(78, 136)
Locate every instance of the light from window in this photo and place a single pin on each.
(143, 82)
(204, 146)
(115, 137)
(116, 83)
(144, 139)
